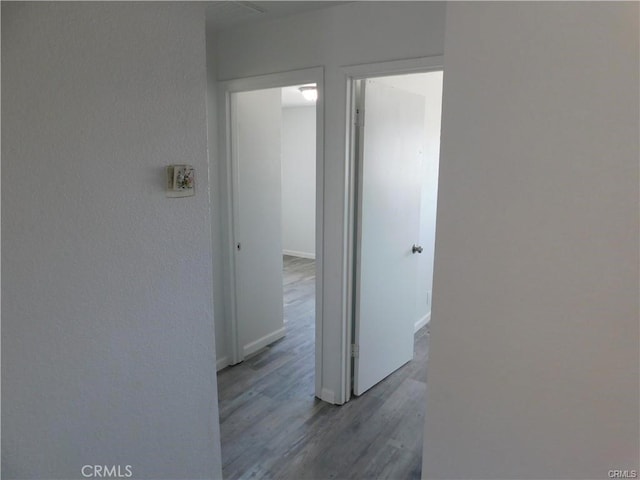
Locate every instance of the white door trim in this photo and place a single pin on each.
(353, 73)
(225, 89)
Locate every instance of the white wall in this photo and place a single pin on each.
(299, 181)
(107, 315)
(429, 85)
(349, 34)
(533, 363)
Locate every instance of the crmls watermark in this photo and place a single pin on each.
(622, 474)
(107, 471)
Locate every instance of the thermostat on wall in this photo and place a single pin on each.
(180, 181)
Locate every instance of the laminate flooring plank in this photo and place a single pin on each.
(271, 437)
(369, 435)
(331, 442)
(272, 426)
(257, 439)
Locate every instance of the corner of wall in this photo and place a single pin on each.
(215, 192)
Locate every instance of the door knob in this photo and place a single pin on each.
(416, 249)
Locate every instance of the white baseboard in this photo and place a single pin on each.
(221, 363)
(256, 345)
(422, 322)
(328, 396)
(295, 253)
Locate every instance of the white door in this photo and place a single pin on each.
(256, 125)
(390, 147)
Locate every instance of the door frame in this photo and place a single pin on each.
(229, 198)
(353, 74)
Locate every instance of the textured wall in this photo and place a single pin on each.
(533, 363)
(107, 315)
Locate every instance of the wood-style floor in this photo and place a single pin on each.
(272, 426)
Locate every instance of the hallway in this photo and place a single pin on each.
(272, 426)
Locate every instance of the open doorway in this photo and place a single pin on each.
(396, 152)
(273, 147)
(273, 150)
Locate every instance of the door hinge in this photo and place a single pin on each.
(355, 350)
(359, 118)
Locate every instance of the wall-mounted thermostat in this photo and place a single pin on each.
(180, 181)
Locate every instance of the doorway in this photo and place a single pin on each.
(275, 251)
(396, 152)
(273, 166)
(252, 204)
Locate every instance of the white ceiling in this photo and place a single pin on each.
(226, 14)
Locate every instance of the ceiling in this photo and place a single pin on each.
(226, 14)
(222, 15)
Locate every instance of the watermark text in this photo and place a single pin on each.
(107, 471)
(622, 474)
